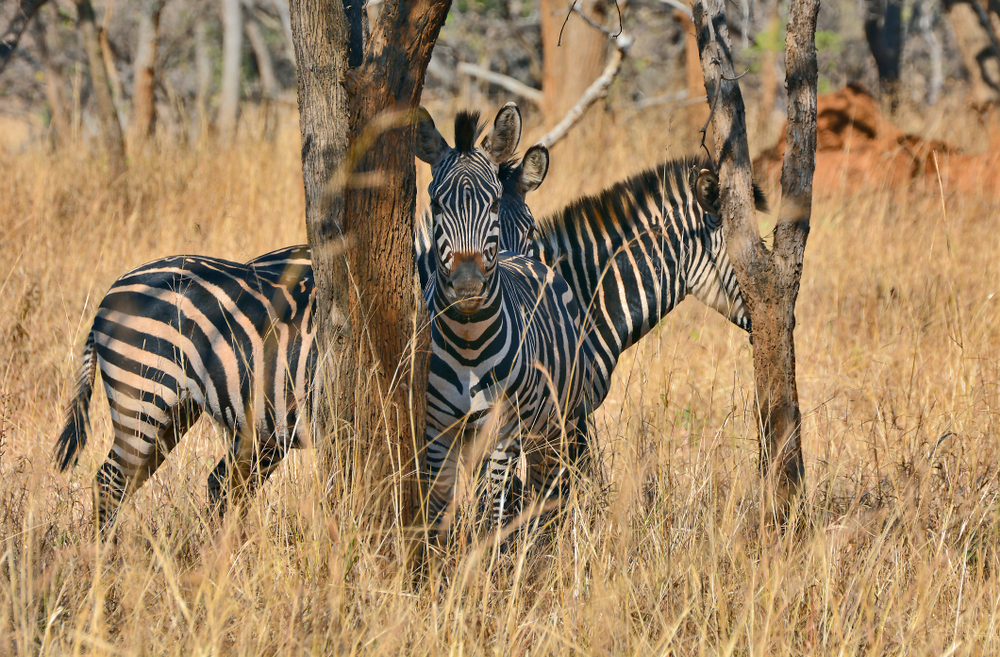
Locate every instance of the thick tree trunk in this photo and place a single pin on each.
(111, 129)
(144, 71)
(53, 82)
(769, 280)
(978, 47)
(232, 54)
(568, 69)
(389, 318)
(360, 218)
(12, 33)
(321, 34)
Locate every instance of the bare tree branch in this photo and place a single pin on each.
(596, 91)
(22, 16)
(504, 81)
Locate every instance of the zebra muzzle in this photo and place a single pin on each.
(467, 285)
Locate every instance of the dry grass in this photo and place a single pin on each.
(662, 553)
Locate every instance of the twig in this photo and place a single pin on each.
(565, 20)
(598, 89)
(501, 80)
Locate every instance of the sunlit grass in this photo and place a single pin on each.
(662, 551)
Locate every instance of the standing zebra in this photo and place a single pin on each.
(507, 373)
(188, 334)
(631, 253)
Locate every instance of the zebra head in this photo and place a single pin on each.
(517, 227)
(712, 279)
(465, 193)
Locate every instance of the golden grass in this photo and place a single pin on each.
(662, 552)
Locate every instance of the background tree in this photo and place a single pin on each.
(144, 70)
(568, 69)
(111, 129)
(232, 47)
(884, 32)
(356, 98)
(769, 278)
(978, 46)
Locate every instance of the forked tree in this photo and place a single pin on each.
(768, 278)
(357, 94)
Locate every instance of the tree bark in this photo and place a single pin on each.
(12, 34)
(144, 71)
(232, 54)
(360, 204)
(769, 280)
(111, 129)
(53, 83)
(568, 69)
(978, 48)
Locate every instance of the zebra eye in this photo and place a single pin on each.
(495, 208)
(435, 206)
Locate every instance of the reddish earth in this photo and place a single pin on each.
(857, 147)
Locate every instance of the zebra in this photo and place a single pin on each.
(507, 372)
(185, 335)
(631, 253)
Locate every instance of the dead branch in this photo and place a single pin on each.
(503, 81)
(597, 90)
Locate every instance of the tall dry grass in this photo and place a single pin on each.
(660, 552)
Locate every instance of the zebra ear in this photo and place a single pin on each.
(534, 166)
(706, 190)
(502, 141)
(429, 145)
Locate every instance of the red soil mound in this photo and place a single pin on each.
(857, 147)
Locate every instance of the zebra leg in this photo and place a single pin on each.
(135, 456)
(252, 462)
(217, 489)
(441, 474)
(501, 491)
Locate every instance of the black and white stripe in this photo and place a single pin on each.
(188, 334)
(507, 372)
(631, 253)
(185, 335)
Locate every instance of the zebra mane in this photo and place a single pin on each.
(508, 168)
(467, 131)
(673, 177)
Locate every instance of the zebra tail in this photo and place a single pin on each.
(73, 438)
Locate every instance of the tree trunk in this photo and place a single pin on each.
(884, 32)
(769, 280)
(361, 203)
(977, 45)
(568, 69)
(111, 129)
(12, 34)
(203, 66)
(144, 68)
(232, 55)
(695, 113)
(268, 81)
(53, 83)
